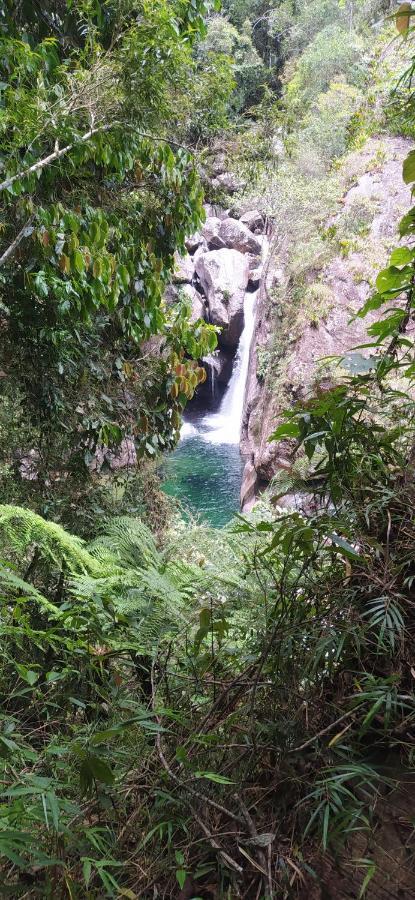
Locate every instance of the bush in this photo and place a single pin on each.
(223, 39)
(327, 125)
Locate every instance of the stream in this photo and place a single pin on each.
(205, 471)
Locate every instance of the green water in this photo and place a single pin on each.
(206, 478)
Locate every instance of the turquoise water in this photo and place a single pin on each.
(206, 478)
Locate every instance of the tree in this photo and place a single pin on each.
(96, 195)
(223, 40)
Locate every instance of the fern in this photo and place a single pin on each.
(163, 590)
(23, 529)
(12, 585)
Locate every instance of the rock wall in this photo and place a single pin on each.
(347, 280)
(222, 263)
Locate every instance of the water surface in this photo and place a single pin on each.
(205, 471)
(206, 478)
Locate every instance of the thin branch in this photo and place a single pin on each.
(25, 231)
(315, 737)
(59, 153)
(47, 160)
(231, 863)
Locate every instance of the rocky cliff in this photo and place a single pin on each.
(303, 321)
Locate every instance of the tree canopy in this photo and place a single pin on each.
(96, 196)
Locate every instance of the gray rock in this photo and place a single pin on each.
(193, 242)
(249, 487)
(255, 275)
(171, 295)
(223, 275)
(234, 234)
(210, 232)
(184, 269)
(197, 301)
(229, 182)
(218, 165)
(254, 220)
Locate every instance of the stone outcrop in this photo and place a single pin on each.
(228, 182)
(223, 262)
(210, 233)
(348, 279)
(197, 301)
(233, 233)
(184, 269)
(254, 220)
(223, 276)
(194, 241)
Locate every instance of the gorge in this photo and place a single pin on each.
(207, 450)
(225, 265)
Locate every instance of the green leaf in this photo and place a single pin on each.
(401, 256)
(95, 768)
(408, 170)
(28, 675)
(407, 223)
(286, 430)
(393, 280)
(181, 876)
(79, 262)
(344, 546)
(205, 618)
(368, 877)
(212, 776)
(86, 870)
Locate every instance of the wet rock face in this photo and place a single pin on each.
(224, 276)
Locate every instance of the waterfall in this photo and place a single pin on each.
(209, 364)
(224, 426)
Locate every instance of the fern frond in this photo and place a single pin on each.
(23, 528)
(126, 542)
(12, 585)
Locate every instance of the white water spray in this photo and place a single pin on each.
(224, 427)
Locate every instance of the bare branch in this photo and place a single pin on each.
(25, 232)
(47, 160)
(57, 154)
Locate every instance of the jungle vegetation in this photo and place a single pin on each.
(186, 712)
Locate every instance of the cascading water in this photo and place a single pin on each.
(205, 471)
(224, 427)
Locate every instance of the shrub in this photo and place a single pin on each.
(327, 125)
(223, 39)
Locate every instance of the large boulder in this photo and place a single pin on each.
(253, 220)
(234, 234)
(193, 242)
(197, 301)
(210, 232)
(224, 276)
(184, 269)
(229, 182)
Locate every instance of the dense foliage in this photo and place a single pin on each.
(199, 713)
(96, 197)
